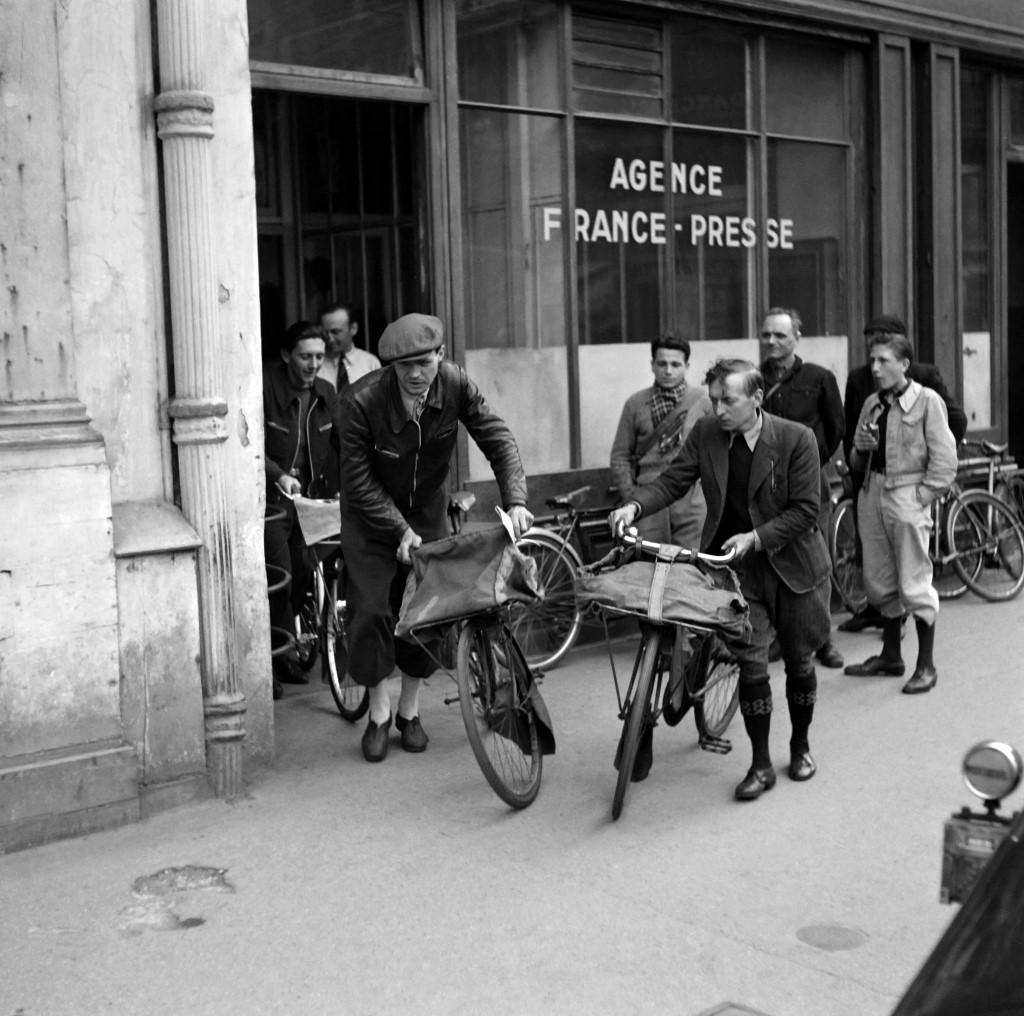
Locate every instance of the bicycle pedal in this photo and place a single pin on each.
(719, 745)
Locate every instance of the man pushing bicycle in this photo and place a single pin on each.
(398, 432)
(761, 481)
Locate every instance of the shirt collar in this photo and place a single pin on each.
(751, 436)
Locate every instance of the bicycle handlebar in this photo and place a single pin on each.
(631, 538)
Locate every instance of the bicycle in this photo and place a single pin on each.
(561, 545)
(506, 721)
(675, 658)
(977, 539)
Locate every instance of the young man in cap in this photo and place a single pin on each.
(398, 432)
(859, 385)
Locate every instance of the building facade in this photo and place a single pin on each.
(560, 182)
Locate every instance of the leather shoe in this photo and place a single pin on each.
(923, 679)
(755, 783)
(801, 766)
(876, 666)
(865, 619)
(829, 656)
(375, 741)
(414, 737)
(278, 690)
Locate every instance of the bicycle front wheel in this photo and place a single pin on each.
(494, 692)
(847, 573)
(351, 699)
(548, 629)
(716, 687)
(989, 553)
(636, 710)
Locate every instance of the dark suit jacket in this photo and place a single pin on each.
(860, 384)
(809, 394)
(784, 493)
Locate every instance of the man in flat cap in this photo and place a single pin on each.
(398, 431)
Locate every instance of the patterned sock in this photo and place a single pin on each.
(801, 694)
(756, 707)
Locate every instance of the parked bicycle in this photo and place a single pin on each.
(561, 544)
(679, 664)
(977, 540)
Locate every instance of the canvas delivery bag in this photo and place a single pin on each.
(681, 592)
(465, 574)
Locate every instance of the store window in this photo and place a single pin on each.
(371, 37)
(713, 170)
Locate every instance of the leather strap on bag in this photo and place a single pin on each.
(656, 600)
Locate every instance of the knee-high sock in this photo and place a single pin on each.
(892, 632)
(756, 707)
(801, 694)
(925, 643)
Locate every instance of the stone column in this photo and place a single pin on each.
(198, 410)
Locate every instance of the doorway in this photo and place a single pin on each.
(1015, 304)
(340, 210)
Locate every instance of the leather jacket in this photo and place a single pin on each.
(394, 469)
(809, 394)
(281, 438)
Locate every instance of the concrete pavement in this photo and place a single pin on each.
(408, 887)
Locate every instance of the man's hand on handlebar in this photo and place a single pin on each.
(744, 543)
(410, 541)
(623, 517)
(522, 518)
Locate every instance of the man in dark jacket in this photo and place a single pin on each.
(808, 394)
(761, 480)
(859, 385)
(398, 432)
(300, 448)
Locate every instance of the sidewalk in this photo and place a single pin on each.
(408, 887)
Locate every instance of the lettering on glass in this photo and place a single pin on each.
(637, 176)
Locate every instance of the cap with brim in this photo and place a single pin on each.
(411, 335)
(887, 323)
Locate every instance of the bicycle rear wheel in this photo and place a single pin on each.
(494, 691)
(1011, 490)
(351, 699)
(847, 574)
(548, 629)
(636, 710)
(716, 675)
(946, 579)
(995, 541)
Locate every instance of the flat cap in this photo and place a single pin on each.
(410, 335)
(888, 323)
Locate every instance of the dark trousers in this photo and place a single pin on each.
(284, 548)
(374, 586)
(802, 622)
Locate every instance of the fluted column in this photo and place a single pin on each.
(185, 126)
